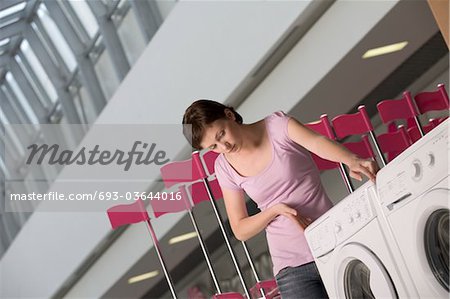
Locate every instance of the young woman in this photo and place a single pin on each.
(270, 161)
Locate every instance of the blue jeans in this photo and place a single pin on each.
(301, 282)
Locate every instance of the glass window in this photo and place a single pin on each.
(119, 4)
(86, 16)
(106, 74)
(11, 10)
(165, 6)
(32, 80)
(131, 37)
(7, 21)
(25, 132)
(39, 70)
(22, 132)
(3, 168)
(4, 41)
(21, 98)
(79, 107)
(56, 36)
(23, 119)
(84, 106)
(13, 145)
(4, 120)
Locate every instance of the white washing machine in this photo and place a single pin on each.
(414, 195)
(351, 252)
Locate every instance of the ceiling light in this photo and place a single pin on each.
(385, 50)
(182, 238)
(143, 277)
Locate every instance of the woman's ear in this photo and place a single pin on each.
(229, 114)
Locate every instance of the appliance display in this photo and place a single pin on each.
(413, 193)
(351, 251)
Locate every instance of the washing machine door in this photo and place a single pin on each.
(433, 236)
(361, 274)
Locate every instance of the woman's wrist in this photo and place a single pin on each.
(273, 212)
(351, 160)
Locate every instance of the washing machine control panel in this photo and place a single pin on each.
(415, 170)
(341, 222)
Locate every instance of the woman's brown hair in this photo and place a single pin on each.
(199, 115)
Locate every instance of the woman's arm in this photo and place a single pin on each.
(245, 227)
(331, 150)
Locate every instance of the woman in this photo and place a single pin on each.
(269, 160)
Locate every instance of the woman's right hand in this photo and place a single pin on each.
(285, 210)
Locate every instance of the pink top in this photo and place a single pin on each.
(292, 178)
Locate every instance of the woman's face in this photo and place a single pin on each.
(223, 135)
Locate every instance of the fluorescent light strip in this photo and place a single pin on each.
(385, 50)
(182, 238)
(143, 277)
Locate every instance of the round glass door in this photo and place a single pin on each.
(436, 239)
(357, 281)
(361, 274)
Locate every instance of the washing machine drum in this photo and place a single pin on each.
(436, 235)
(357, 280)
(361, 274)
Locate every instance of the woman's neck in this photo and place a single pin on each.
(252, 136)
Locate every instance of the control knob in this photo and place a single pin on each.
(416, 170)
(430, 160)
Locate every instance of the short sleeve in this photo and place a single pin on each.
(223, 175)
(278, 126)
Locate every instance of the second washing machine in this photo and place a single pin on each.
(351, 251)
(414, 193)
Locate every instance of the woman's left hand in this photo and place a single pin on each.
(360, 166)
(301, 221)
